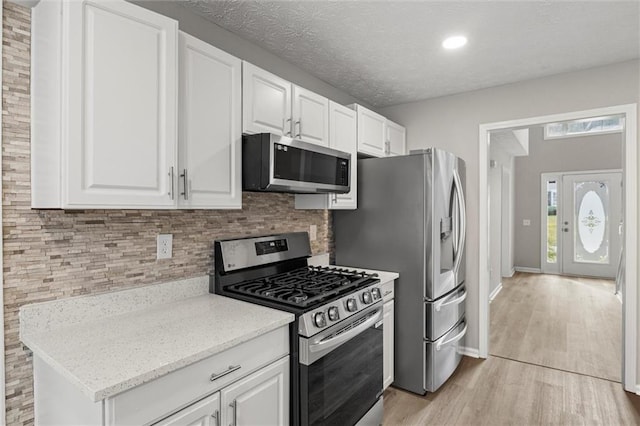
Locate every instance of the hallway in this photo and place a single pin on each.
(567, 323)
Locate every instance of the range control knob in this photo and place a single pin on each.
(334, 315)
(319, 319)
(366, 297)
(352, 305)
(375, 292)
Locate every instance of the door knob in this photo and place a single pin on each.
(565, 229)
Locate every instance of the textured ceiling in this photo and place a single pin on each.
(389, 52)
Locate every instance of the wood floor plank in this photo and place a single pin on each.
(557, 346)
(572, 324)
(499, 391)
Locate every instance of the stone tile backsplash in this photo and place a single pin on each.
(53, 254)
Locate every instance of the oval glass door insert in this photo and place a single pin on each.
(591, 222)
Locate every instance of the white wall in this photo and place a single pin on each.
(452, 123)
(595, 152)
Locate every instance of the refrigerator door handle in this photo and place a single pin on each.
(455, 338)
(462, 222)
(441, 304)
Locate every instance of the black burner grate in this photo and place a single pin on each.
(304, 287)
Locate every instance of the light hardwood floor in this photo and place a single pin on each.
(534, 313)
(572, 324)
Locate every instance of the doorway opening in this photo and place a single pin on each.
(629, 240)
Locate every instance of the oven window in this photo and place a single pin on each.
(307, 166)
(339, 388)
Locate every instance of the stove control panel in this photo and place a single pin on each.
(336, 311)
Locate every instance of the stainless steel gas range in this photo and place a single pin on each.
(336, 339)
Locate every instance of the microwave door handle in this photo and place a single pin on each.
(462, 222)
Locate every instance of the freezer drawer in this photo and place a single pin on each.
(442, 314)
(442, 357)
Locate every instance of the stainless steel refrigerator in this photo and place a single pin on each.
(411, 219)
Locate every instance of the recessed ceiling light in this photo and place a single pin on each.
(454, 42)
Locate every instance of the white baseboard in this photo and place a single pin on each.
(472, 352)
(510, 274)
(495, 292)
(528, 270)
(637, 389)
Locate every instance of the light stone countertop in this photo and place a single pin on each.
(112, 354)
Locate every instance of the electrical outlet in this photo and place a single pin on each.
(164, 246)
(313, 232)
(526, 222)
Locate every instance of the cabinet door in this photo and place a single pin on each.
(396, 137)
(310, 117)
(343, 136)
(266, 102)
(202, 413)
(388, 345)
(371, 132)
(120, 67)
(210, 127)
(259, 399)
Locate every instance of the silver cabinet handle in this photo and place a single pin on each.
(284, 126)
(216, 418)
(231, 369)
(185, 182)
(386, 293)
(387, 147)
(234, 417)
(170, 194)
(299, 124)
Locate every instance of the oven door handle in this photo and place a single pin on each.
(321, 344)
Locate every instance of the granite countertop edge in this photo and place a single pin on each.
(31, 340)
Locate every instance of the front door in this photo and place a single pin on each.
(591, 208)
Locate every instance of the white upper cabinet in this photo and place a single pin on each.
(266, 102)
(108, 138)
(310, 117)
(396, 139)
(210, 121)
(372, 132)
(274, 105)
(342, 136)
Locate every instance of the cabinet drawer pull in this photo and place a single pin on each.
(387, 292)
(231, 369)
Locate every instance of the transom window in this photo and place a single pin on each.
(585, 126)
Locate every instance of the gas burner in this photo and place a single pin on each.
(304, 287)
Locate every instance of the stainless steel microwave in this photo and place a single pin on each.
(273, 163)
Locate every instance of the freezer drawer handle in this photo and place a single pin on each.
(453, 339)
(441, 304)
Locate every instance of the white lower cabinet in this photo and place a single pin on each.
(388, 335)
(262, 398)
(259, 399)
(202, 413)
(247, 384)
(387, 344)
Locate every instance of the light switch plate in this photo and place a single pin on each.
(526, 222)
(164, 246)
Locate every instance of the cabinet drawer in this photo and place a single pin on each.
(388, 290)
(170, 393)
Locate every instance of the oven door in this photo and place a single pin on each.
(341, 370)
